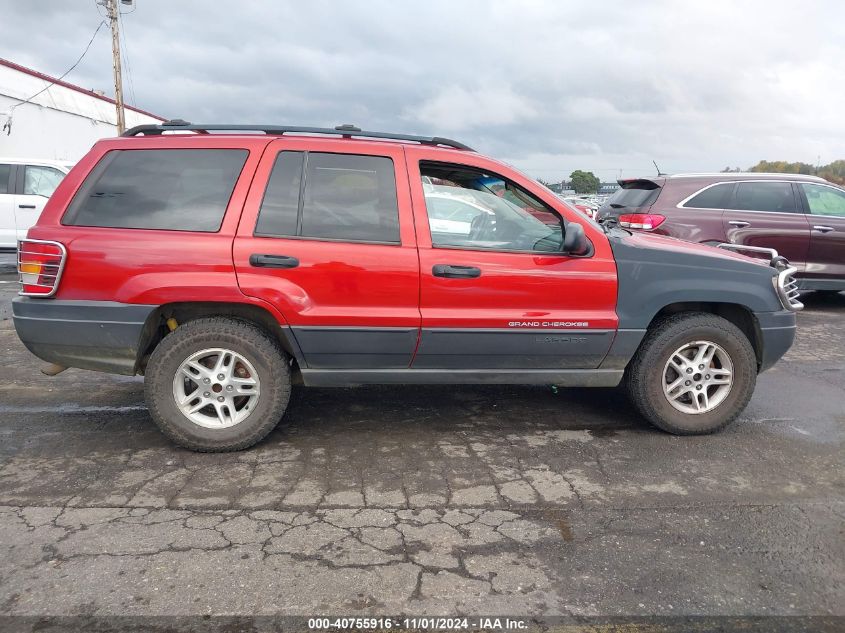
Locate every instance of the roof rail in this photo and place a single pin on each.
(346, 130)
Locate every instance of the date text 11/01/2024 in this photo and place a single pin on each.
(431, 624)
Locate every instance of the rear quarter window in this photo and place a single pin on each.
(169, 189)
(713, 197)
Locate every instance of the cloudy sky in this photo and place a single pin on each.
(549, 86)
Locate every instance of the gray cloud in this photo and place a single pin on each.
(546, 85)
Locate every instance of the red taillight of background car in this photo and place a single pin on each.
(40, 265)
(645, 221)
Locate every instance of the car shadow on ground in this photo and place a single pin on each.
(823, 300)
(446, 408)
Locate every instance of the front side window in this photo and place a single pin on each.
(765, 196)
(473, 209)
(715, 197)
(346, 197)
(5, 170)
(825, 200)
(170, 189)
(41, 181)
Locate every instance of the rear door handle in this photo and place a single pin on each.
(823, 229)
(451, 271)
(26, 206)
(273, 261)
(739, 224)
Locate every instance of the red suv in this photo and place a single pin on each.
(801, 217)
(226, 265)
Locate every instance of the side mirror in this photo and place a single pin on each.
(575, 241)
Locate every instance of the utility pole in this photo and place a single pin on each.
(111, 7)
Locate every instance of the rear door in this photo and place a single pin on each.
(496, 292)
(327, 237)
(768, 214)
(36, 183)
(8, 237)
(826, 215)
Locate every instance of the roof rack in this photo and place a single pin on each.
(346, 130)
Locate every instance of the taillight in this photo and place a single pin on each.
(641, 220)
(40, 265)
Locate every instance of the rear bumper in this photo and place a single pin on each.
(777, 332)
(97, 335)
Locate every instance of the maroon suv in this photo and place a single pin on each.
(801, 217)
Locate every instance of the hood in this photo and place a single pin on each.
(653, 241)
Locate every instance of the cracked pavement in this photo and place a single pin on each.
(426, 500)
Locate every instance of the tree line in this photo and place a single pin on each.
(832, 172)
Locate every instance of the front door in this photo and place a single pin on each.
(767, 214)
(826, 215)
(327, 237)
(496, 292)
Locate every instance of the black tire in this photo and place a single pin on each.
(265, 355)
(645, 374)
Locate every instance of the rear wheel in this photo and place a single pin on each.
(693, 374)
(217, 384)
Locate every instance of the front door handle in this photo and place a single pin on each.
(823, 229)
(26, 206)
(273, 261)
(451, 271)
(739, 224)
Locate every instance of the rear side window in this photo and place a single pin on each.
(5, 170)
(345, 197)
(715, 197)
(764, 196)
(170, 189)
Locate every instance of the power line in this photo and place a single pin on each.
(7, 124)
(67, 72)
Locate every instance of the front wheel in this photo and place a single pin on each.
(217, 384)
(693, 374)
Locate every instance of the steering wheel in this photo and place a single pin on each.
(482, 226)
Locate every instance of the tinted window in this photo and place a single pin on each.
(825, 200)
(41, 181)
(280, 206)
(350, 197)
(4, 178)
(472, 209)
(715, 197)
(634, 196)
(174, 189)
(764, 196)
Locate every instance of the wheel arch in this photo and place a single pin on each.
(739, 315)
(156, 326)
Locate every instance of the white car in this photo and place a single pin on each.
(25, 186)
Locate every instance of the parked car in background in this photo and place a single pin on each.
(801, 217)
(25, 186)
(582, 205)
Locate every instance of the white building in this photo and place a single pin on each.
(62, 123)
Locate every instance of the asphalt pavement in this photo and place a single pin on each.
(433, 500)
(8, 263)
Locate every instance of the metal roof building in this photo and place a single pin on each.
(62, 122)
